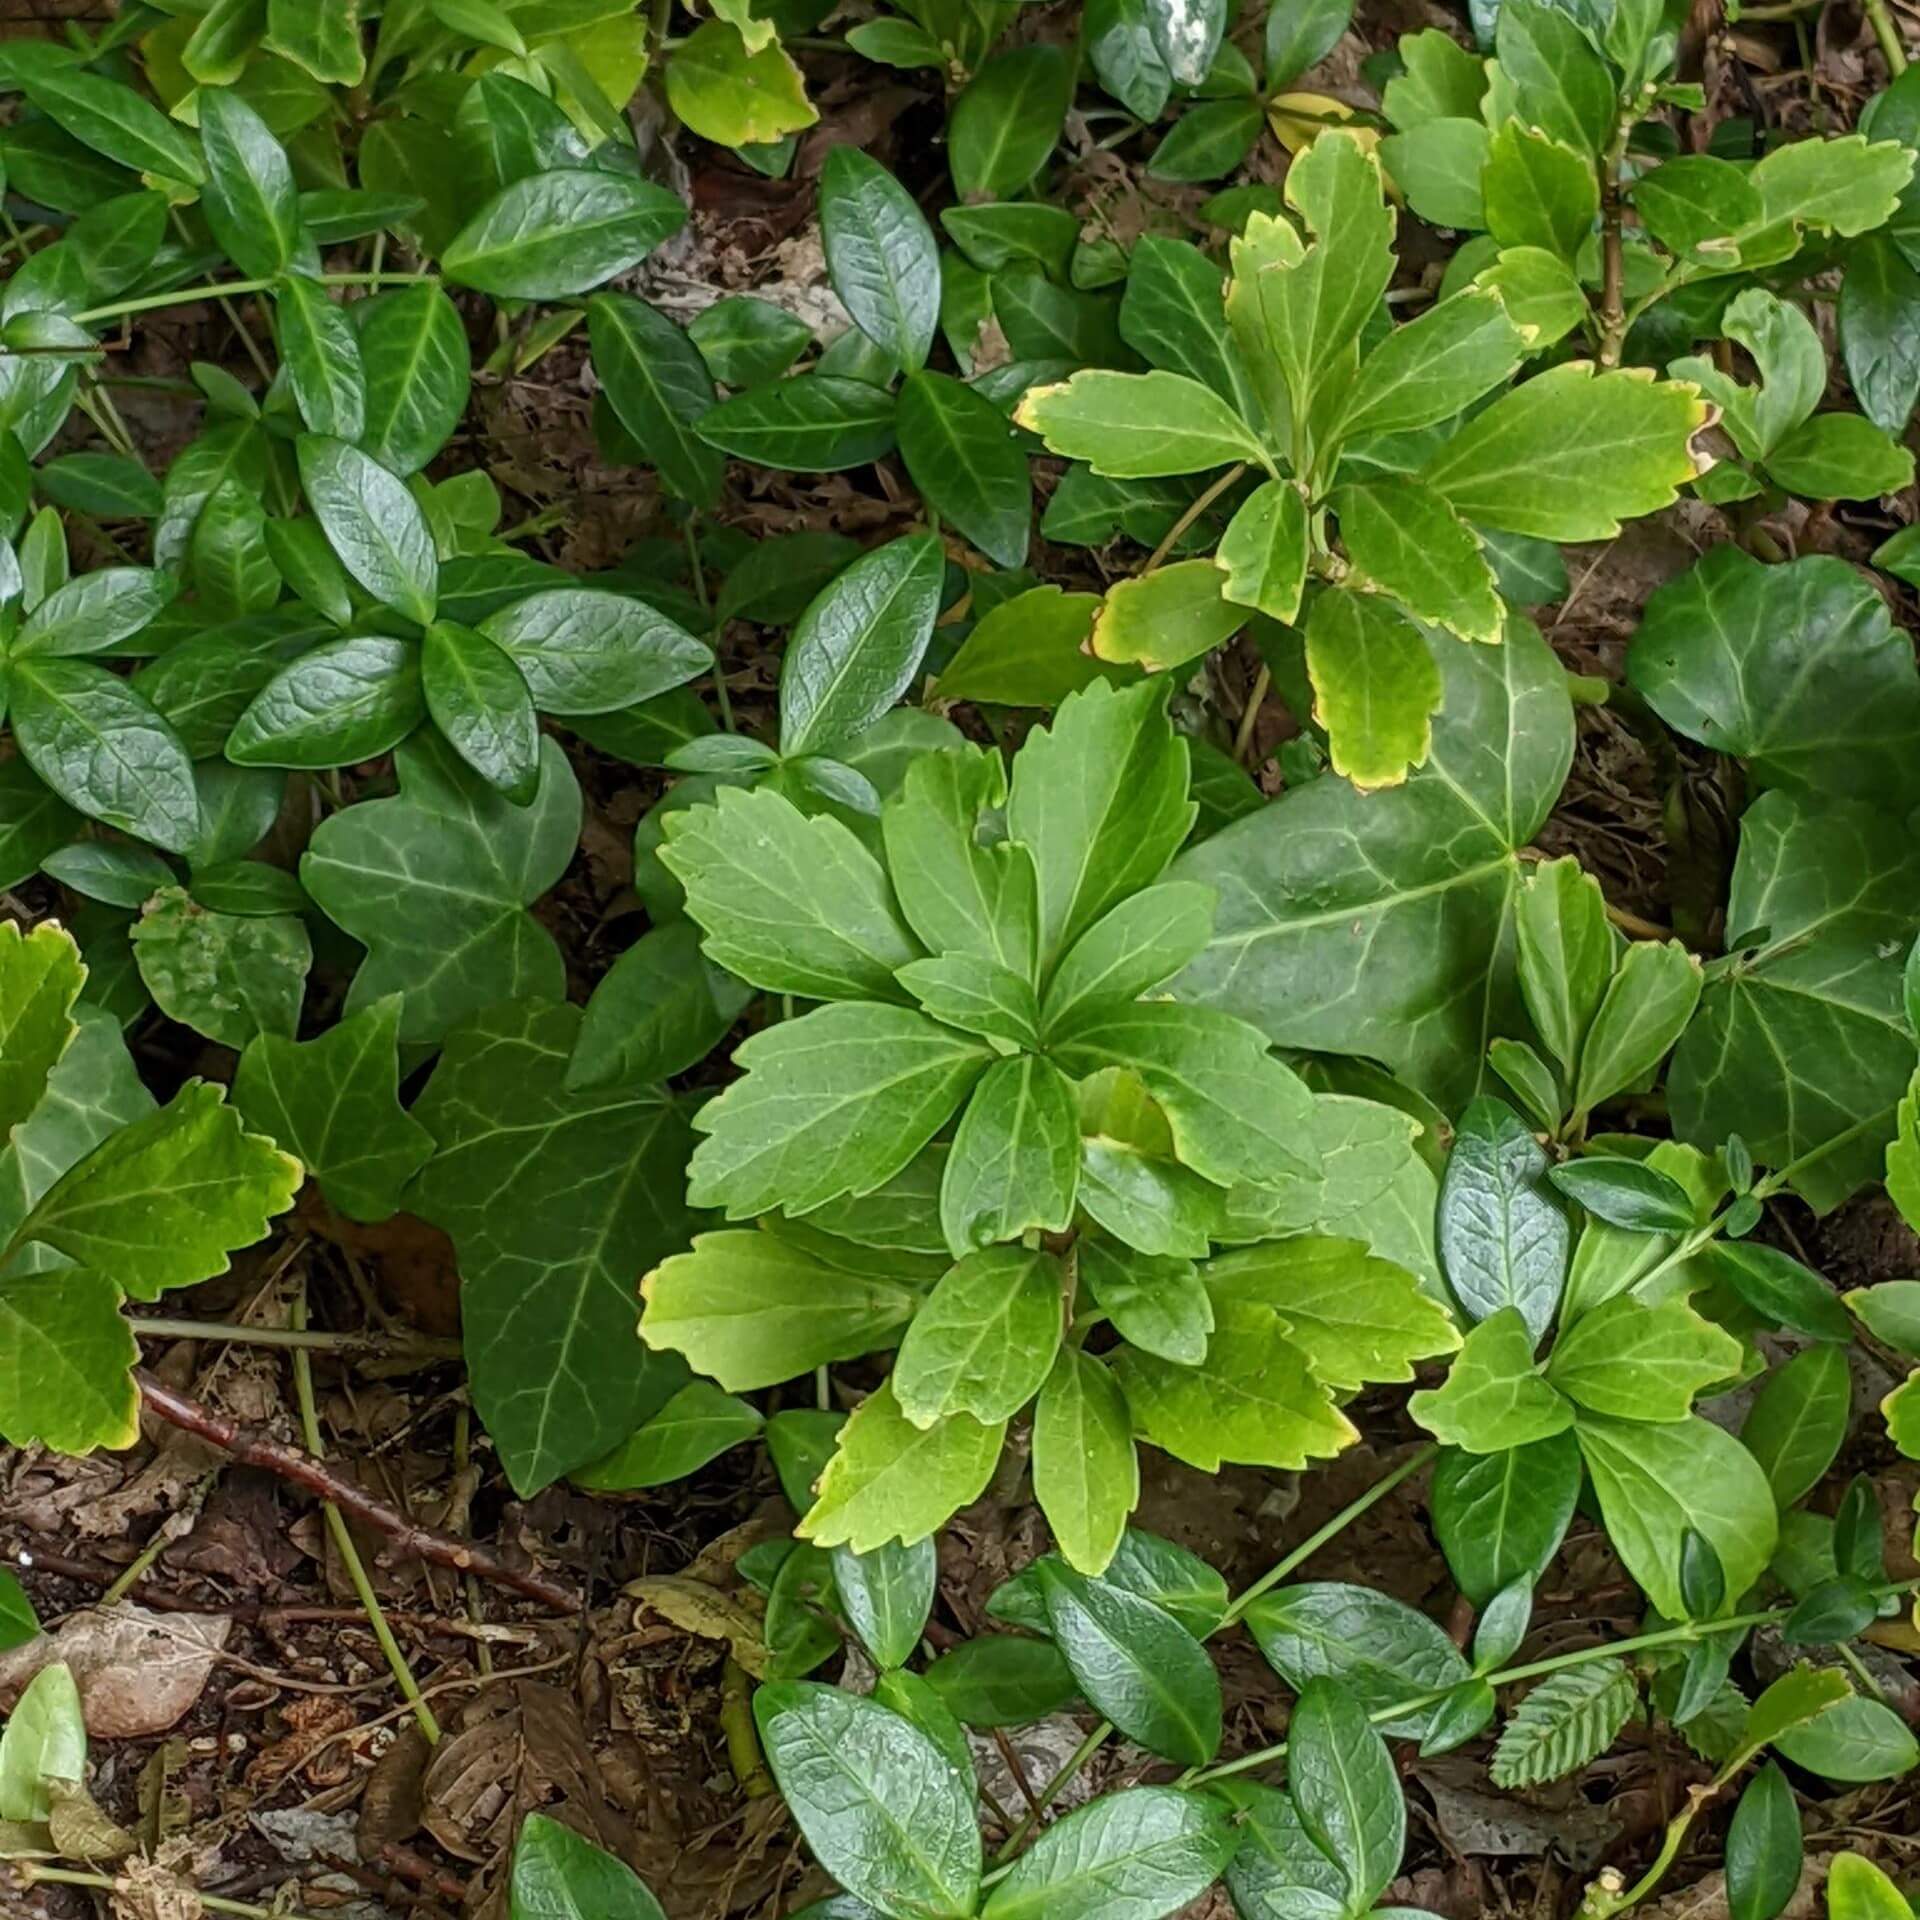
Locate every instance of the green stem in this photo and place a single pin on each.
(1881, 19)
(228, 289)
(33, 1873)
(349, 1553)
(1682, 1635)
(301, 1339)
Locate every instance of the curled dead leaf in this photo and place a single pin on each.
(138, 1672)
(708, 1613)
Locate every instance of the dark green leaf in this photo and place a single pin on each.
(559, 233)
(1504, 1240)
(250, 200)
(1004, 124)
(811, 423)
(414, 348)
(659, 386)
(880, 255)
(1763, 1847)
(373, 523)
(1626, 1193)
(963, 456)
(343, 702)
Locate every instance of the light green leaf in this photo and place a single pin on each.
(1015, 1164)
(1165, 618)
(44, 1745)
(1438, 165)
(1403, 538)
(1376, 686)
(1566, 1722)
(1130, 950)
(1136, 426)
(1435, 366)
(1646, 1006)
(1263, 552)
(756, 1308)
(227, 976)
(1539, 191)
(66, 1365)
(734, 94)
(890, 1480)
(1543, 296)
(1655, 1480)
(1639, 1362)
(334, 1102)
(1570, 453)
(984, 1340)
(164, 1201)
(1566, 954)
(789, 901)
(1253, 1400)
(1843, 186)
(697, 1425)
(40, 979)
(436, 884)
(1100, 800)
(1086, 1475)
(1494, 1397)
(1156, 1303)
(1027, 651)
(1798, 1421)
(1358, 1319)
(835, 1102)
(1840, 456)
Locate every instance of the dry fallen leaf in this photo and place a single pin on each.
(138, 1672)
(699, 1609)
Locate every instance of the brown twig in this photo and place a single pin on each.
(429, 1543)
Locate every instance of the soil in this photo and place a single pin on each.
(283, 1765)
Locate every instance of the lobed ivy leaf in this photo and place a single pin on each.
(436, 884)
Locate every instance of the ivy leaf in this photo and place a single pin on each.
(40, 979)
(1567, 1721)
(659, 387)
(564, 232)
(755, 1308)
(1137, 1854)
(1086, 1475)
(885, 1812)
(1407, 541)
(1571, 453)
(436, 884)
(1100, 800)
(985, 1339)
(857, 647)
(790, 902)
(334, 1102)
(1494, 1399)
(962, 455)
(163, 1202)
(413, 345)
(1375, 923)
(1015, 1163)
(1137, 1664)
(1640, 1362)
(1376, 687)
(1833, 887)
(890, 1480)
(881, 255)
(1359, 1320)
(373, 523)
(1252, 1400)
(553, 1200)
(228, 976)
(68, 1379)
(1655, 1480)
(835, 1102)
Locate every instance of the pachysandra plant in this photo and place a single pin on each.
(1349, 416)
(997, 1135)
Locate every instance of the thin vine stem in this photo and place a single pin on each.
(230, 289)
(35, 1875)
(1880, 17)
(349, 1553)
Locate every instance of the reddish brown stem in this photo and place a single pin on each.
(428, 1543)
